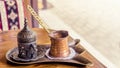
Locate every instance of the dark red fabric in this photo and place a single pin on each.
(0, 23)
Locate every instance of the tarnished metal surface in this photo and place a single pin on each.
(27, 48)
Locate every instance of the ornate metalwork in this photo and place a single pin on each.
(27, 43)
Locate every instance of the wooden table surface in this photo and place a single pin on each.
(10, 41)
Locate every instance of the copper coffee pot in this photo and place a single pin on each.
(59, 44)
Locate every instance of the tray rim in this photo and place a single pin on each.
(38, 61)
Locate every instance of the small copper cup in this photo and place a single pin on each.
(59, 44)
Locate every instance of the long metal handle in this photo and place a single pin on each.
(35, 15)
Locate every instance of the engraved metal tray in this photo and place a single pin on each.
(11, 56)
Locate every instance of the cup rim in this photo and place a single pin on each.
(63, 34)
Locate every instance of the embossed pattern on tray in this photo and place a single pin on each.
(77, 59)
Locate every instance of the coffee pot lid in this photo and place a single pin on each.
(26, 35)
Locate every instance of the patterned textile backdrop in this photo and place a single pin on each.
(12, 14)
